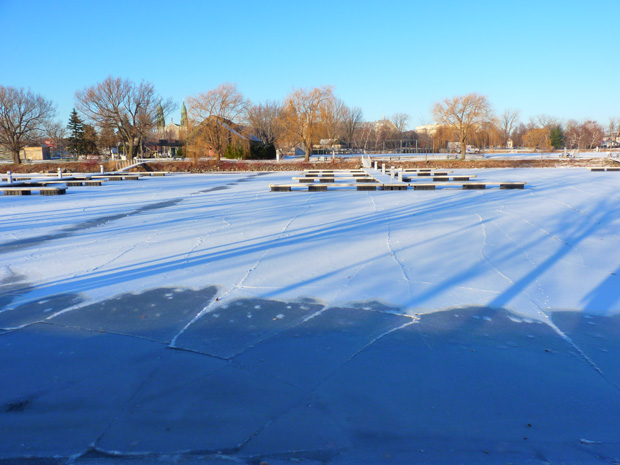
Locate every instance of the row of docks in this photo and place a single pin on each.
(402, 179)
(57, 184)
(605, 168)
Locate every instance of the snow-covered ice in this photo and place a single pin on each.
(548, 247)
(206, 316)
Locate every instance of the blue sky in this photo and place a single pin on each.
(545, 56)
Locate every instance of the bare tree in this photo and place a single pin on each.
(303, 115)
(463, 114)
(364, 134)
(332, 114)
(351, 120)
(24, 117)
(128, 107)
(400, 121)
(265, 121)
(543, 121)
(572, 134)
(517, 134)
(57, 132)
(613, 127)
(595, 133)
(588, 134)
(507, 122)
(212, 116)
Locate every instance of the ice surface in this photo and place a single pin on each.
(419, 251)
(313, 350)
(157, 314)
(179, 410)
(205, 319)
(62, 387)
(236, 326)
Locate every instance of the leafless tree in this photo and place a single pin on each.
(364, 133)
(213, 117)
(265, 121)
(572, 134)
(24, 117)
(588, 134)
(128, 107)
(595, 133)
(543, 121)
(303, 115)
(57, 132)
(507, 122)
(463, 114)
(332, 115)
(351, 120)
(613, 127)
(517, 134)
(400, 121)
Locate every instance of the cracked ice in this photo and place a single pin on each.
(308, 326)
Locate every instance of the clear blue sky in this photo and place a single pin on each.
(543, 56)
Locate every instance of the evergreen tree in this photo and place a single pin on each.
(75, 141)
(556, 136)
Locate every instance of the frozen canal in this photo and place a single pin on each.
(205, 319)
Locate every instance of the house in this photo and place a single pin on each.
(234, 139)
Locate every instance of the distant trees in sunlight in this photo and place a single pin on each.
(130, 108)
(119, 115)
(213, 120)
(304, 112)
(463, 115)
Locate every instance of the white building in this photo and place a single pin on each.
(427, 129)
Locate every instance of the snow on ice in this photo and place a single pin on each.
(323, 327)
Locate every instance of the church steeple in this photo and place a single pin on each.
(183, 115)
(159, 120)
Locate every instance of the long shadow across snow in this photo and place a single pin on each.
(326, 231)
(21, 244)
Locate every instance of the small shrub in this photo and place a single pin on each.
(262, 152)
(233, 151)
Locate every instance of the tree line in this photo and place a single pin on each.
(221, 122)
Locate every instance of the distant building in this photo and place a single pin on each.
(235, 134)
(427, 130)
(509, 144)
(330, 144)
(611, 142)
(170, 138)
(385, 125)
(35, 153)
